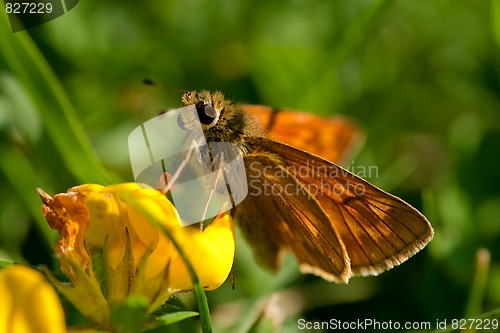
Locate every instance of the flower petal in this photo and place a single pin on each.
(144, 234)
(67, 214)
(211, 253)
(29, 303)
(107, 226)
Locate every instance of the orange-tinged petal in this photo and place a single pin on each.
(67, 214)
(211, 253)
(29, 303)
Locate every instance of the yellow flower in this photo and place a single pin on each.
(111, 247)
(29, 303)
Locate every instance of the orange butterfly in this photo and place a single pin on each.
(336, 224)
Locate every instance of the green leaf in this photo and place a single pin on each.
(129, 316)
(173, 304)
(171, 318)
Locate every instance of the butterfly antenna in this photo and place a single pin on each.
(149, 82)
(152, 83)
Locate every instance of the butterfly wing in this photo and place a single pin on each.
(334, 139)
(377, 230)
(272, 220)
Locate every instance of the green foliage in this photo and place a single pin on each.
(171, 318)
(420, 77)
(129, 316)
(6, 263)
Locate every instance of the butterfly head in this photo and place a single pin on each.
(209, 106)
(220, 119)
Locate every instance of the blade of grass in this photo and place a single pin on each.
(495, 20)
(355, 34)
(13, 163)
(250, 316)
(29, 66)
(6, 263)
(475, 303)
(331, 59)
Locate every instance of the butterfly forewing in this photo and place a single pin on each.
(377, 230)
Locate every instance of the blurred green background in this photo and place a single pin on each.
(420, 77)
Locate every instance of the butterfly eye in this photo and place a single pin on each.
(206, 113)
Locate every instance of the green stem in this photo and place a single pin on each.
(475, 303)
